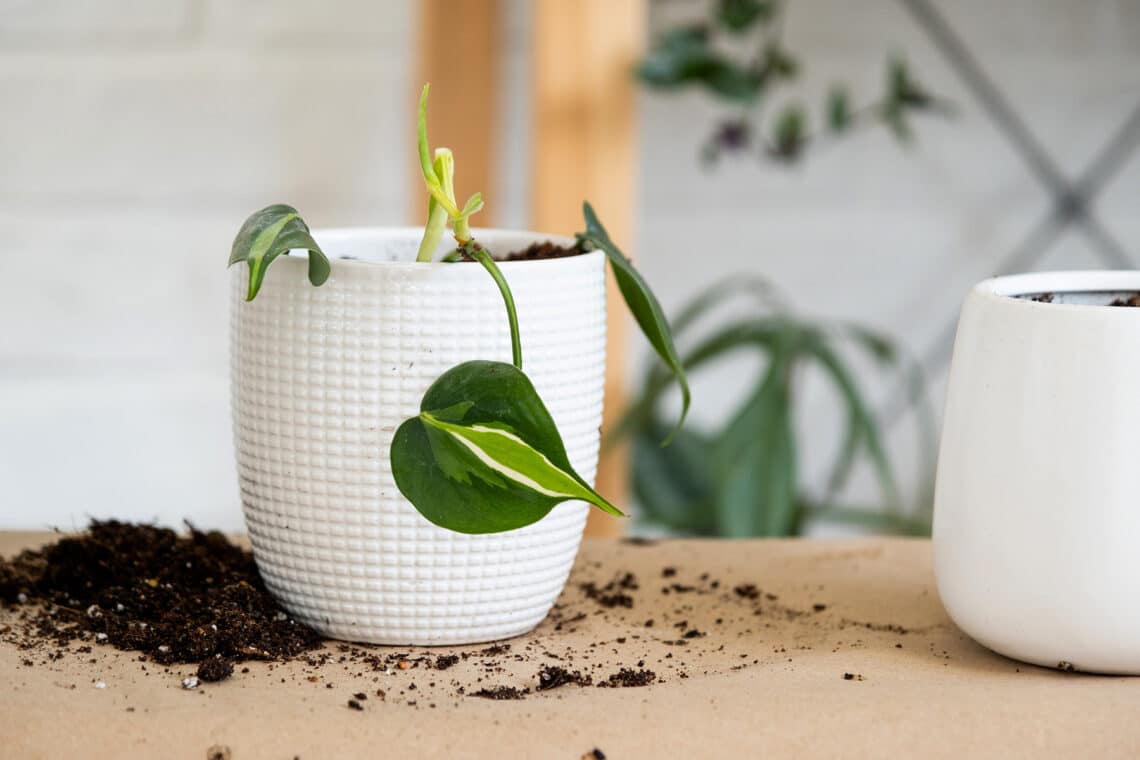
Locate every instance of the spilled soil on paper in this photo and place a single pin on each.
(120, 601)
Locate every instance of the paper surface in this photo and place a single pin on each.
(768, 680)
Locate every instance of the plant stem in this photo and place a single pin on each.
(479, 253)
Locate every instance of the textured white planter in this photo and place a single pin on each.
(323, 376)
(1037, 506)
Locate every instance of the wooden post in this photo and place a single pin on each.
(459, 54)
(584, 149)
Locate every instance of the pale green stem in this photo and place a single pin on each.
(479, 253)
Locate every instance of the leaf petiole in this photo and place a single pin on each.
(477, 252)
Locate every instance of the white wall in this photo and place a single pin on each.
(865, 229)
(136, 136)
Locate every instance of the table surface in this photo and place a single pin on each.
(801, 648)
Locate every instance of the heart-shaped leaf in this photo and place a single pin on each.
(641, 302)
(267, 234)
(484, 454)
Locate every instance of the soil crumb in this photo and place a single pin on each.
(630, 677)
(500, 692)
(194, 598)
(215, 669)
(1133, 300)
(552, 677)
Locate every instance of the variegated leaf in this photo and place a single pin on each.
(484, 455)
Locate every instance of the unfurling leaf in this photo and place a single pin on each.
(267, 234)
(641, 302)
(484, 454)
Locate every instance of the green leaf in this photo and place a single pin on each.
(863, 426)
(484, 454)
(267, 234)
(686, 56)
(838, 110)
(641, 302)
(779, 62)
(738, 15)
(757, 460)
(430, 176)
(790, 127)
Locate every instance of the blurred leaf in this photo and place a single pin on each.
(743, 479)
(790, 128)
(685, 56)
(838, 110)
(673, 484)
(778, 62)
(738, 15)
(869, 518)
(722, 291)
(866, 427)
(880, 347)
(756, 459)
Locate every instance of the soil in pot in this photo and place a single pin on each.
(543, 250)
(1086, 299)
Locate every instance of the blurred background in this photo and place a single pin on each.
(851, 168)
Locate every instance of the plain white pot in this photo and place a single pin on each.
(1037, 505)
(322, 377)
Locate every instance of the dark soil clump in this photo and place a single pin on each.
(613, 593)
(1133, 300)
(552, 677)
(215, 669)
(501, 692)
(193, 598)
(630, 677)
(543, 250)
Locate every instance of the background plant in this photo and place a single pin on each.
(743, 478)
(737, 55)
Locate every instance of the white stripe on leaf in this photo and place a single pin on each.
(509, 456)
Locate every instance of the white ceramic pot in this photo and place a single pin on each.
(322, 377)
(1037, 506)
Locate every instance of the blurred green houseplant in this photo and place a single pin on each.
(737, 55)
(745, 478)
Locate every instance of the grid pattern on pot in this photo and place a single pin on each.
(322, 377)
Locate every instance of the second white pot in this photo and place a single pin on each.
(322, 377)
(1037, 506)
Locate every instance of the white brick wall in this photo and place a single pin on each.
(136, 137)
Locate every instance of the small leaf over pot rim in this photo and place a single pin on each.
(270, 232)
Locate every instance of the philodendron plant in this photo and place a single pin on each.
(483, 455)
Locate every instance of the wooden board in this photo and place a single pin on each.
(585, 148)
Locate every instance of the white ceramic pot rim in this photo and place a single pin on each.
(385, 247)
(1085, 281)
